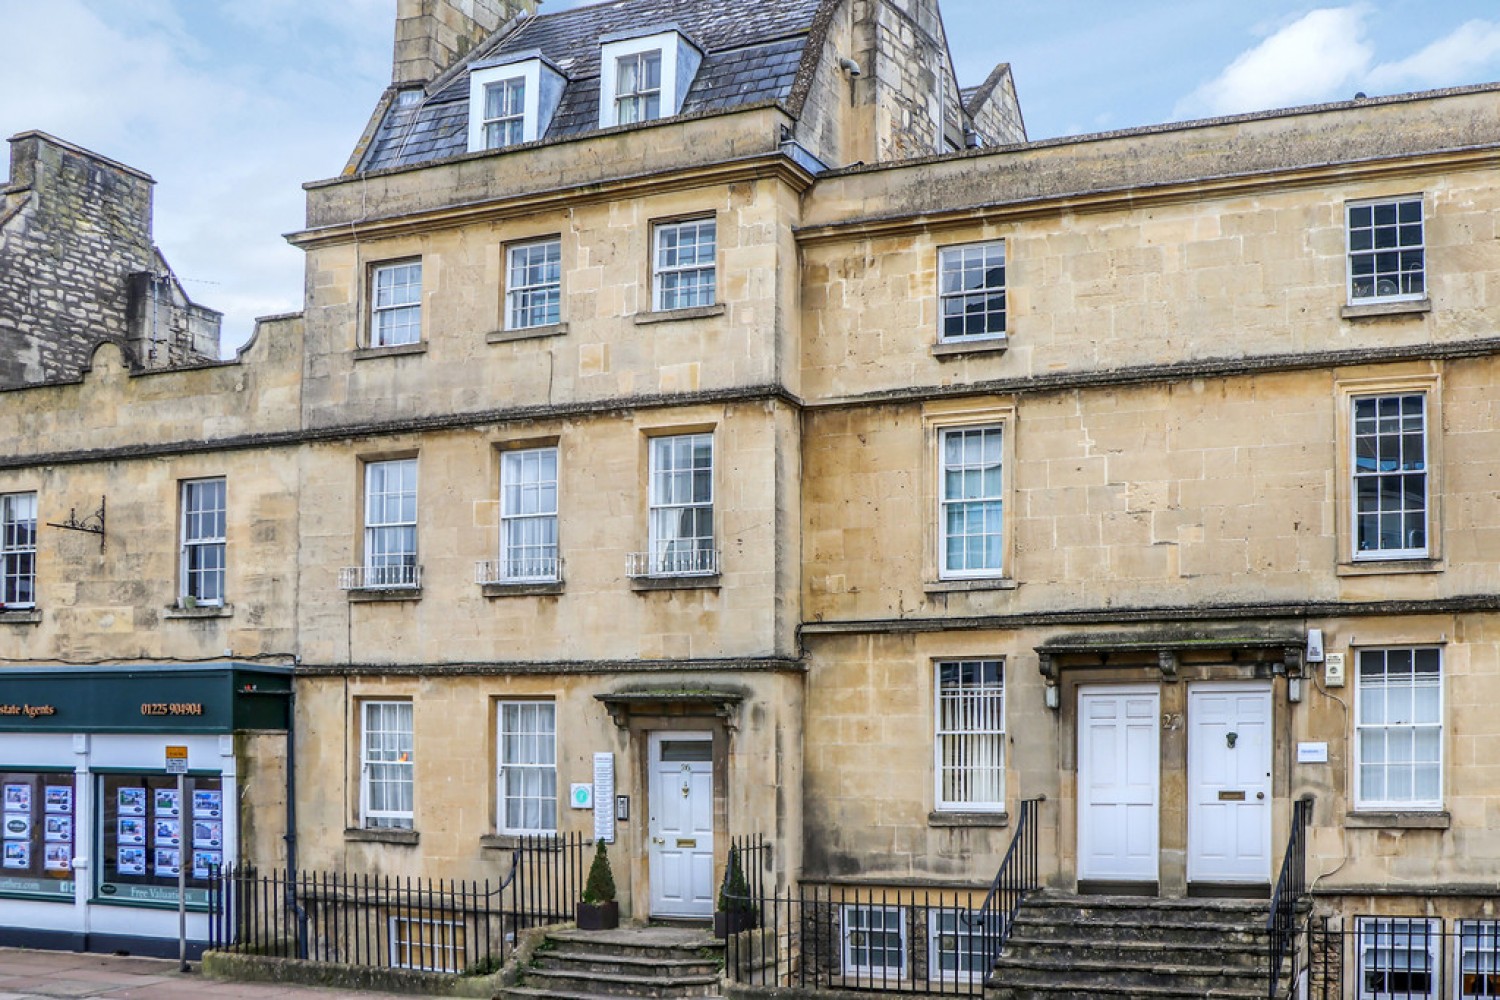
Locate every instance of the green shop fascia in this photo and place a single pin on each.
(89, 813)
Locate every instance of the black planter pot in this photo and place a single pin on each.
(727, 922)
(598, 916)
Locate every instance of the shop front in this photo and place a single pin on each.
(97, 830)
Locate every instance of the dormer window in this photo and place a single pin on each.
(505, 113)
(511, 100)
(638, 88)
(645, 76)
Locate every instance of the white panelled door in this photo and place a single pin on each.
(1118, 782)
(682, 824)
(1229, 782)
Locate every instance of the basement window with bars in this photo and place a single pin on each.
(1478, 954)
(962, 945)
(427, 945)
(874, 941)
(970, 735)
(1398, 958)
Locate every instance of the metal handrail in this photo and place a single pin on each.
(1291, 886)
(1016, 877)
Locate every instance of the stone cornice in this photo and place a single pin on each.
(1139, 196)
(761, 166)
(1158, 613)
(498, 668)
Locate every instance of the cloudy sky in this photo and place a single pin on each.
(232, 104)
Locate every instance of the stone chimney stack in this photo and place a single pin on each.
(432, 35)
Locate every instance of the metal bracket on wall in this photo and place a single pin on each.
(93, 523)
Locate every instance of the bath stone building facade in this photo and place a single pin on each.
(723, 402)
(147, 560)
(555, 514)
(77, 264)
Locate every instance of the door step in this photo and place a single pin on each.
(657, 961)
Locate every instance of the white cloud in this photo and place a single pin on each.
(1320, 56)
(1470, 52)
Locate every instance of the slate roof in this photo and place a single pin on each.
(752, 52)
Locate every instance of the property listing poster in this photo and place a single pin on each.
(152, 833)
(36, 833)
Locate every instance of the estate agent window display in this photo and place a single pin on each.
(147, 833)
(37, 832)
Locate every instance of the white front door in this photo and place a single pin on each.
(682, 824)
(1229, 782)
(1118, 783)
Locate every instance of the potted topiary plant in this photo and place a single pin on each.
(735, 912)
(599, 911)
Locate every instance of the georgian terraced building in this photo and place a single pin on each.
(720, 402)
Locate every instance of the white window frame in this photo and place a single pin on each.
(540, 764)
(1362, 726)
(1370, 932)
(385, 566)
(961, 937)
(509, 124)
(529, 500)
(639, 99)
(680, 60)
(1378, 475)
(17, 547)
(1480, 938)
(671, 554)
(847, 930)
(969, 723)
(395, 305)
(442, 939)
(541, 86)
(522, 288)
(392, 762)
(963, 259)
(1362, 239)
(947, 571)
(197, 541)
(684, 297)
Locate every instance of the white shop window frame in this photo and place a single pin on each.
(680, 60)
(543, 89)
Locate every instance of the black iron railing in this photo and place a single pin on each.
(920, 941)
(434, 925)
(750, 857)
(1406, 957)
(1017, 876)
(1291, 886)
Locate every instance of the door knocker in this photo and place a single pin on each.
(1231, 739)
(687, 781)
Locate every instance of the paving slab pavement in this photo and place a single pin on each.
(49, 975)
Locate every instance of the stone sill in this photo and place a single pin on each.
(1410, 307)
(376, 596)
(511, 841)
(201, 611)
(527, 333)
(648, 583)
(370, 353)
(21, 616)
(404, 838)
(538, 589)
(979, 345)
(674, 315)
(1380, 567)
(1398, 820)
(968, 819)
(983, 583)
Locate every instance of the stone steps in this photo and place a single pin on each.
(1113, 947)
(651, 962)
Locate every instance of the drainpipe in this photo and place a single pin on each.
(291, 821)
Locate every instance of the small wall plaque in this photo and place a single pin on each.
(1312, 753)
